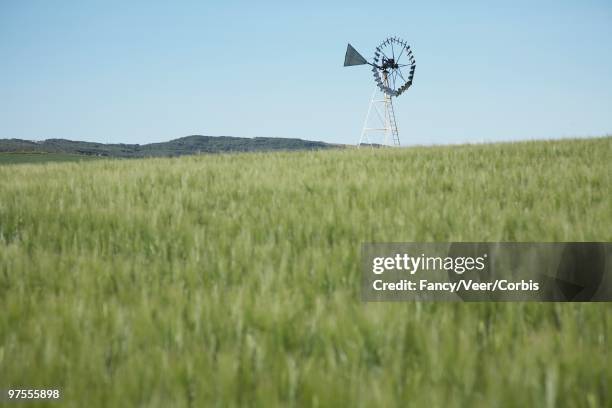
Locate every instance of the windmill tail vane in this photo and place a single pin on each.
(353, 57)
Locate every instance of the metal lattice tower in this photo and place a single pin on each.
(381, 110)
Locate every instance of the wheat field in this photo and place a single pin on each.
(234, 280)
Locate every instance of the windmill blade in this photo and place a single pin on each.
(352, 57)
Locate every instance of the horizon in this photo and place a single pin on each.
(142, 73)
(563, 138)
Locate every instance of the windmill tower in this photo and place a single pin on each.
(390, 82)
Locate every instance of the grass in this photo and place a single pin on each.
(234, 280)
(20, 158)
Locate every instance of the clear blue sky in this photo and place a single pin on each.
(138, 72)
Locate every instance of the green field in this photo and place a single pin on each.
(234, 280)
(20, 158)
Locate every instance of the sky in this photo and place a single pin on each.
(148, 71)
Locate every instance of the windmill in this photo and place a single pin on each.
(393, 75)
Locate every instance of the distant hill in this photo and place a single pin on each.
(178, 147)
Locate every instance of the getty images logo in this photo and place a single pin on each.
(414, 264)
